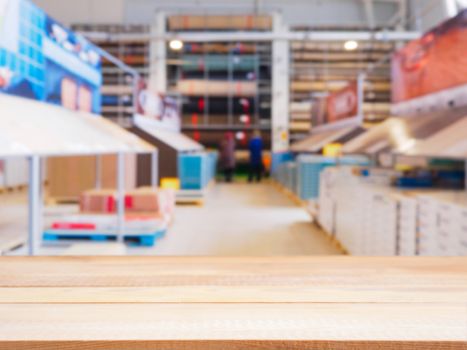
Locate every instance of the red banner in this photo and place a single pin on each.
(338, 106)
(433, 63)
(343, 104)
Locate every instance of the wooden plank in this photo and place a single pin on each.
(209, 293)
(95, 249)
(298, 271)
(279, 321)
(233, 303)
(231, 345)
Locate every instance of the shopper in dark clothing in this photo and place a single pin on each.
(227, 156)
(256, 158)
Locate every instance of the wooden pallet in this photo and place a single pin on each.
(13, 189)
(192, 197)
(52, 201)
(140, 240)
(10, 241)
(190, 201)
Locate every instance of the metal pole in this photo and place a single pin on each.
(98, 172)
(34, 204)
(155, 169)
(465, 174)
(120, 197)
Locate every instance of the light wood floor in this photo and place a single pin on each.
(236, 220)
(244, 220)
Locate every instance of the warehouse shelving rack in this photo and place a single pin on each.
(130, 45)
(319, 68)
(206, 115)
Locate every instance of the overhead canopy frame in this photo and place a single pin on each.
(450, 142)
(173, 139)
(400, 134)
(31, 128)
(34, 129)
(316, 142)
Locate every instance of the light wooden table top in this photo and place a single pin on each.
(233, 303)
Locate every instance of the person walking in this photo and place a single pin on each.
(256, 168)
(227, 156)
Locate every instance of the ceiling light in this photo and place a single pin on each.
(176, 45)
(351, 45)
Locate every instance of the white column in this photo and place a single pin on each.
(120, 197)
(155, 169)
(158, 55)
(280, 87)
(35, 204)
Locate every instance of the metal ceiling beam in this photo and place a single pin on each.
(262, 36)
(369, 11)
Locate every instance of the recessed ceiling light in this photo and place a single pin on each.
(350, 45)
(176, 45)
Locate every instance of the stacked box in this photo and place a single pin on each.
(462, 248)
(142, 200)
(407, 221)
(98, 201)
(326, 202)
(363, 212)
(165, 198)
(369, 217)
(427, 242)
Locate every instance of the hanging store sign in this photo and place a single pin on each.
(431, 72)
(343, 104)
(157, 110)
(340, 109)
(43, 60)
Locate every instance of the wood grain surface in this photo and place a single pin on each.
(233, 303)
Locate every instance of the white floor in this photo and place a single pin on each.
(236, 220)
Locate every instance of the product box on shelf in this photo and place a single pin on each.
(407, 223)
(367, 215)
(101, 201)
(370, 217)
(141, 200)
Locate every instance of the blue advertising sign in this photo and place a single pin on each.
(43, 60)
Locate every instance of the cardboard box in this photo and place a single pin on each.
(165, 198)
(142, 200)
(98, 201)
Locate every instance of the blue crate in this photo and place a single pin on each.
(192, 171)
(196, 170)
(308, 173)
(278, 159)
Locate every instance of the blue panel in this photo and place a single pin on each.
(309, 168)
(24, 57)
(279, 158)
(196, 170)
